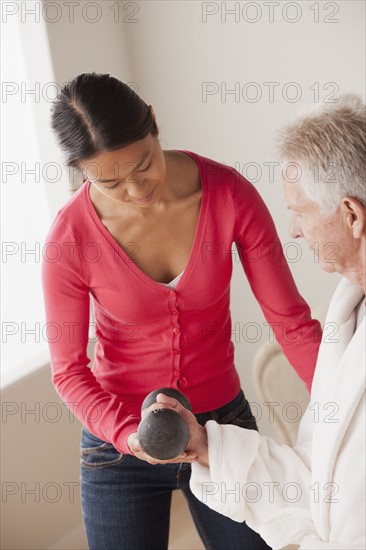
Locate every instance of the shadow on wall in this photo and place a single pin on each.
(40, 464)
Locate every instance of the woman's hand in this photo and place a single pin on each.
(197, 444)
(135, 447)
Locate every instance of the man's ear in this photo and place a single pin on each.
(355, 216)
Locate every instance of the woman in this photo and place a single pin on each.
(314, 494)
(149, 237)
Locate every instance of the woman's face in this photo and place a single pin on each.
(134, 174)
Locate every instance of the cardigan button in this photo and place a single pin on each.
(172, 293)
(182, 382)
(176, 330)
(176, 351)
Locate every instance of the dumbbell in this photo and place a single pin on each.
(163, 434)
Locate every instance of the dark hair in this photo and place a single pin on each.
(97, 112)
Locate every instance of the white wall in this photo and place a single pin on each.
(168, 53)
(177, 48)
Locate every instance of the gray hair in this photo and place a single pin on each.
(327, 144)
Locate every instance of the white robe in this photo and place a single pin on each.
(312, 494)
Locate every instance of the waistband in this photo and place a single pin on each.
(226, 412)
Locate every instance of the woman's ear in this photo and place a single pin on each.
(355, 216)
(154, 118)
(152, 113)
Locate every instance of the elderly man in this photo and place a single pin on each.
(312, 494)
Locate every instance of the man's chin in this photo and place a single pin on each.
(328, 267)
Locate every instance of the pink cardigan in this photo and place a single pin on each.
(150, 336)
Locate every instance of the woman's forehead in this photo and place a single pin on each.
(121, 162)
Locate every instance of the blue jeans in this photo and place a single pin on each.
(126, 501)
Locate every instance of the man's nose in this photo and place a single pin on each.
(295, 230)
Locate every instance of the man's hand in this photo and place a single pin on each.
(198, 436)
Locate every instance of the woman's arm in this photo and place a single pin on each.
(66, 296)
(271, 281)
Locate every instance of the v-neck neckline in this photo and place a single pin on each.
(157, 285)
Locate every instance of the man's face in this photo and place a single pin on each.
(326, 235)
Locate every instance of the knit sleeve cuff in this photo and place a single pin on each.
(121, 439)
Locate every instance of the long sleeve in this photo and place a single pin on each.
(66, 295)
(270, 486)
(251, 478)
(271, 281)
